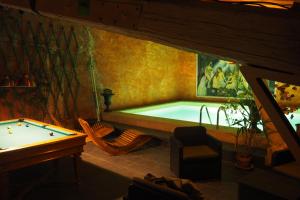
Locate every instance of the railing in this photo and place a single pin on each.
(218, 116)
(200, 117)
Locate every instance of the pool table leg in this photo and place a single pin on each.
(4, 189)
(76, 159)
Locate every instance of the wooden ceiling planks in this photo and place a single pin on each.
(268, 3)
(252, 35)
(246, 35)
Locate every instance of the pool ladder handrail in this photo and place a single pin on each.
(218, 113)
(200, 117)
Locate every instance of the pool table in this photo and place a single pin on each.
(25, 142)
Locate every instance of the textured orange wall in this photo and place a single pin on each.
(188, 76)
(142, 72)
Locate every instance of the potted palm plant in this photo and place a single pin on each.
(247, 130)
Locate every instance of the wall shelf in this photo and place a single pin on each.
(48, 52)
(17, 86)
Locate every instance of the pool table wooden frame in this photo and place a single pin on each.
(15, 158)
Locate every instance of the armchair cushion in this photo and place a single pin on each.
(198, 152)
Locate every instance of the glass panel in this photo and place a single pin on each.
(288, 98)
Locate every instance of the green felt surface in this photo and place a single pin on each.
(23, 135)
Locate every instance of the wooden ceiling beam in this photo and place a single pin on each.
(255, 77)
(252, 35)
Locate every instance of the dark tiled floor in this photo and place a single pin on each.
(95, 182)
(107, 177)
(155, 160)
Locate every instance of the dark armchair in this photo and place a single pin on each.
(195, 154)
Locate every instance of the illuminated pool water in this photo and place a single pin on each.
(190, 111)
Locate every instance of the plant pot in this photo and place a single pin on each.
(107, 95)
(244, 161)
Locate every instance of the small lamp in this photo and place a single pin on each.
(6, 82)
(24, 81)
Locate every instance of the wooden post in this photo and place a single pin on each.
(254, 76)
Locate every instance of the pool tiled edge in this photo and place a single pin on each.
(224, 134)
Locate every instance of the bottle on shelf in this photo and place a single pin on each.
(6, 81)
(24, 81)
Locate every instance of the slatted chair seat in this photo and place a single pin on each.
(128, 141)
(102, 130)
(126, 138)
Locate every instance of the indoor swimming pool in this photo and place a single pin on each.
(206, 112)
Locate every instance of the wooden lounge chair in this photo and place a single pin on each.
(102, 130)
(99, 128)
(128, 141)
